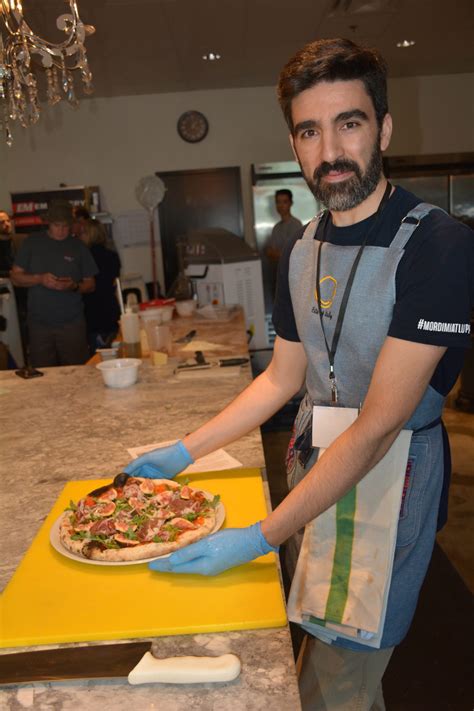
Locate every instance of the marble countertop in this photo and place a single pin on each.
(67, 425)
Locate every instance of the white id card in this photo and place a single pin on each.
(329, 422)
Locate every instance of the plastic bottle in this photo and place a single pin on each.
(130, 325)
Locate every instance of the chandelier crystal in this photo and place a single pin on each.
(23, 53)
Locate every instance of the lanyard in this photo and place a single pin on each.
(331, 351)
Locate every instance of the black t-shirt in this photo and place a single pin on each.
(6, 256)
(434, 281)
(69, 257)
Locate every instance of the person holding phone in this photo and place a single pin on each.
(57, 269)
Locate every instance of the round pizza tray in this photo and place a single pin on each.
(57, 545)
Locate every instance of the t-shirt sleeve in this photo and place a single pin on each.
(435, 290)
(283, 315)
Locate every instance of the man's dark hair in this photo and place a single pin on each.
(284, 191)
(334, 60)
(59, 211)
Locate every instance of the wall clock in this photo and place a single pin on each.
(192, 126)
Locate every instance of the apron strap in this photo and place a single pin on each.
(429, 426)
(312, 226)
(408, 225)
(410, 222)
(444, 498)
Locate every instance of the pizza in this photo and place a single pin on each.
(134, 518)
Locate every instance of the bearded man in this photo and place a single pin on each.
(372, 313)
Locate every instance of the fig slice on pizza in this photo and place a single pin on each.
(137, 519)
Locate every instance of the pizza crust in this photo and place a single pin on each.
(65, 533)
(145, 551)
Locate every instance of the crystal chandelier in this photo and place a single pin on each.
(21, 50)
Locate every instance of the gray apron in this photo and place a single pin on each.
(366, 323)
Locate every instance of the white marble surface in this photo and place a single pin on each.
(67, 425)
(266, 681)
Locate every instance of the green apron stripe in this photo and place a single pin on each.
(316, 621)
(341, 568)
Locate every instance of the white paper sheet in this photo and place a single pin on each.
(213, 462)
(202, 346)
(132, 228)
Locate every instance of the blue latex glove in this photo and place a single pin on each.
(222, 550)
(161, 463)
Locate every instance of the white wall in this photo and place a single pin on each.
(114, 142)
(432, 114)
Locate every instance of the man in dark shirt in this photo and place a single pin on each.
(282, 232)
(286, 228)
(57, 269)
(6, 244)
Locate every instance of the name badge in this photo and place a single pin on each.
(330, 422)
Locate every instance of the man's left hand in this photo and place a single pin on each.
(65, 284)
(216, 553)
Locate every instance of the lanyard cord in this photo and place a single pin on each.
(331, 351)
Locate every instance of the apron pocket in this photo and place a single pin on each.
(414, 488)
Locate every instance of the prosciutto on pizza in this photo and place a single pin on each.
(136, 520)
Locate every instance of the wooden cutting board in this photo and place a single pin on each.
(52, 599)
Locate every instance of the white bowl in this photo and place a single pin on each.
(119, 373)
(187, 307)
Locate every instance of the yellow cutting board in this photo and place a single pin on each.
(52, 599)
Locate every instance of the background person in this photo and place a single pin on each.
(81, 217)
(57, 269)
(8, 249)
(6, 244)
(101, 307)
(286, 228)
(282, 232)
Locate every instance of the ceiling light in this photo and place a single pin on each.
(406, 43)
(211, 56)
(23, 53)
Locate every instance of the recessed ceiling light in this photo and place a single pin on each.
(211, 56)
(406, 43)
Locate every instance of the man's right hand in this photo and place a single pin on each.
(161, 463)
(273, 254)
(49, 281)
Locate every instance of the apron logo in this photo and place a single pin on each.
(329, 290)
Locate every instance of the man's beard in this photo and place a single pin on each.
(339, 197)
